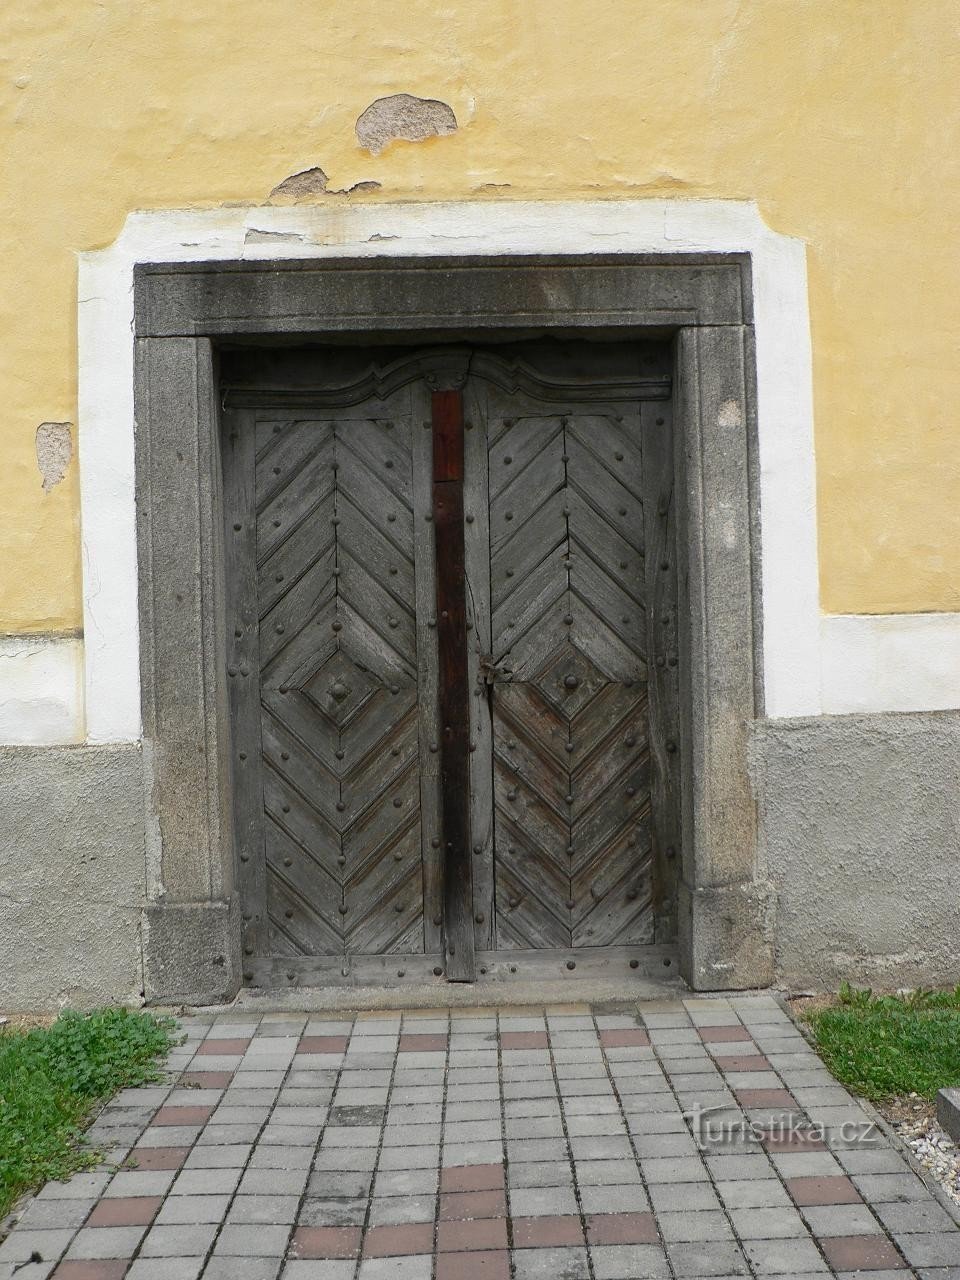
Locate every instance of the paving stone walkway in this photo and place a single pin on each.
(483, 1144)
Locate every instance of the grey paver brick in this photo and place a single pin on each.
(80, 1186)
(686, 1226)
(268, 1182)
(272, 1210)
(182, 1268)
(551, 1173)
(698, 1260)
(629, 1262)
(201, 1182)
(420, 1157)
(751, 1193)
(533, 1202)
(252, 1241)
(841, 1220)
(629, 1199)
(404, 1182)
(548, 1264)
(613, 1173)
(767, 1223)
(137, 1183)
(670, 1169)
(931, 1249)
(671, 1197)
(321, 1269)
(785, 1257)
(916, 1216)
(43, 1215)
(190, 1209)
(190, 1241)
(413, 1267)
(20, 1245)
(105, 1242)
(882, 1188)
(334, 1213)
(393, 1210)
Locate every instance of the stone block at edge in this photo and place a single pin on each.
(191, 952)
(726, 936)
(948, 1111)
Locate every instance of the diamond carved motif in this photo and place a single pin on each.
(338, 688)
(569, 680)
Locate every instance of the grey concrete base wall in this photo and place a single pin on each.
(859, 875)
(71, 876)
(860, 833)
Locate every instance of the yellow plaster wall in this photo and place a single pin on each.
(840, 117)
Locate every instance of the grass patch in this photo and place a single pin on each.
(885, 1046)
(51, 1079)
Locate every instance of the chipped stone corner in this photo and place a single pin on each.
(402, 117)
(54, 446)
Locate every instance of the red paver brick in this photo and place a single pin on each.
(861, 1253)
(793, 1141)
(744, 1062)
(624, 1038)
(206, 1079)
(766, 1098)
(489, 1264)
(182, 1115)
(546, 1232)
(325, 1242)
(472, 1177)
(322, 1044)
(148, 1159)
(100, 1269)
(124, 1211)
(395, 1241)
(223, 1048)
(472, 1204)
(523, 1040)
(715, 1035)
(832, 1189)
(417, 1043)
(622, 1228)
(481, 1233)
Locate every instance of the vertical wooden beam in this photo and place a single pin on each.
(447, 422)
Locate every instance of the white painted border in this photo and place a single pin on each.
(890, 662)
(41, 680)
(791, 620)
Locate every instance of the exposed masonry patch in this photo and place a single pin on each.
(54, 450)
(730, 414)
(313, 182)
(309, 182)
(403, 116)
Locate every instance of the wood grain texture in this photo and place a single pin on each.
(336, 584)
(447, 418)
(572, 787)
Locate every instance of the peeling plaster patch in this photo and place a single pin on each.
(309, 182)
(367, 185)
(54, 451)
(402, 116)
(257, 236)
(730, 414)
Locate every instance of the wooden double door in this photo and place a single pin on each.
(452, 658)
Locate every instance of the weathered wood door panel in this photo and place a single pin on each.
(573, 829)
(326, 682)
(350, 624)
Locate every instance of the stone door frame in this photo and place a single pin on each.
(183, 309)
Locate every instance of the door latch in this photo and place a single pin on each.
(492, 672)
